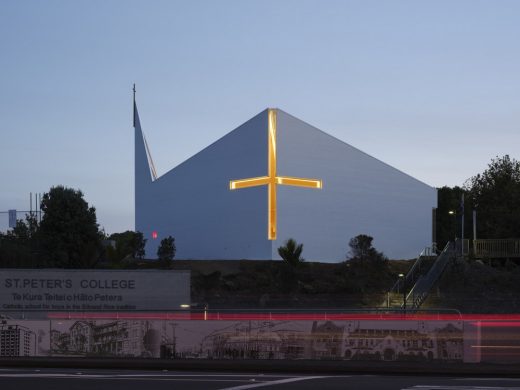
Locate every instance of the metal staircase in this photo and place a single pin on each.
(424, 284)
(425, 272)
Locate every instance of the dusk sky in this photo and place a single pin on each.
(429, 87)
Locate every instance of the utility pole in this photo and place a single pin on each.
(474, 231)
(462, 224)
(434, 229)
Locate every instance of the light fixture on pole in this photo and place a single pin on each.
(401, 278)
(453, 223)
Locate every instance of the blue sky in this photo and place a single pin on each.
(430, 87)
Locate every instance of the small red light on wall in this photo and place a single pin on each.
(154, 235)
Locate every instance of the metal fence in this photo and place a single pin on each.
(500, 248)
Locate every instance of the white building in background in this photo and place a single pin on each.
(17, 340)
(340, 192)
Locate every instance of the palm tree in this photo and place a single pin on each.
(291, 252)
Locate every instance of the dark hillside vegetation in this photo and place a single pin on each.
(477, 287)
(275, 284)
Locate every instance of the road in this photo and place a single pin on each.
(66, 379)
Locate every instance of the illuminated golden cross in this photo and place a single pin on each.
(271, 180)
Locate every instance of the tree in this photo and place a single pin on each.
(291, 252)
(25, 231)
(362, 250)
(128, 243)
(361, 246)
(69, 233)
(167, 249)
(19, 246)
(495, 194)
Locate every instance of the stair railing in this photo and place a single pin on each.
(409, 278)
(422, 287)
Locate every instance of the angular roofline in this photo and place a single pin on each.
(209, 146)
(294, 117)
(359, 150)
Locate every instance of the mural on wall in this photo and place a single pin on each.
(416, 341)
(24, 338)
(126, 338)
(329, 340)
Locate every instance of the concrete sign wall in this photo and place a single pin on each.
(92, 290)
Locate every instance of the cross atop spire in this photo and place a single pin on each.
(134, 103)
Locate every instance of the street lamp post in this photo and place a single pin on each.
(454, 224)
(461, 243)
(401, 278)
(452, 212)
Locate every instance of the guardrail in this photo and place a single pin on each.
(496, 248)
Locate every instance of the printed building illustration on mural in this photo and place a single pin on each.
(408, 340)
(112, 338)
(392, 343)
(327, 339)
(17, 340)
(257, 340)
(324, 191)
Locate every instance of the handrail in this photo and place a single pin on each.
(422, 287)
(426, 252)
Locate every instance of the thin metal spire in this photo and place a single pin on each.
(151, 165)
(134, 103)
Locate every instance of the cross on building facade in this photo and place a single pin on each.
(272, 180)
